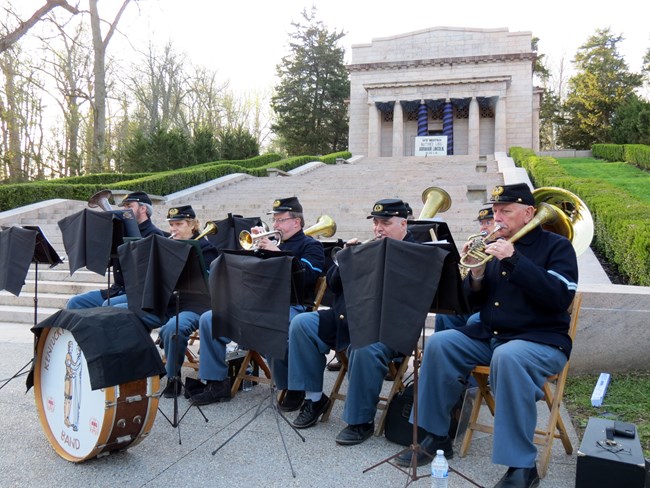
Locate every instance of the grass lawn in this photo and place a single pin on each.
(627, 177)
(627, 399)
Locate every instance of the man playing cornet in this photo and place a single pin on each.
(523, 290)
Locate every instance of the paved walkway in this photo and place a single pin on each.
(254, 458)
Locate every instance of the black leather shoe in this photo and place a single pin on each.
(335, 365)
(519, 478)
(430, 444)
(310, 411)
(193, 386)
(214, 392)
(355, 434)
(173, 388)
(292, 401)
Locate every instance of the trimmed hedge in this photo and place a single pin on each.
(163, 183)
(636, 154)
(621, 231)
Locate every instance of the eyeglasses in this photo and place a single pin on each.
(279, 221)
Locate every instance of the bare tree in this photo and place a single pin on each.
(12, 37)
(99, 97)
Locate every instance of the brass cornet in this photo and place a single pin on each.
(249, 241)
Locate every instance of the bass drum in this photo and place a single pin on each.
(81, 423)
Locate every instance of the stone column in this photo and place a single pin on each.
(473, 133)
(500, 131)
(398, 130)
(374, 131)
(535, 123)
(448, 126)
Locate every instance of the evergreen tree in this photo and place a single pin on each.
(631, 122)
(603, 82)
(309, 103)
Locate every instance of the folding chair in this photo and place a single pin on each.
(553, 396)
(398, 385)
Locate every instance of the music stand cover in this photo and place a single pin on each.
(229, 228)
(251, 295)
(44, 253)
(116, 344)
(155, 267)
(16, 251)
(91, 238)
(389, 286)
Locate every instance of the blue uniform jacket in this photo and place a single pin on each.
(527, 296)
(311, 256)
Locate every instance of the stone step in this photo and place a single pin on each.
(24, 315)
(45, 298)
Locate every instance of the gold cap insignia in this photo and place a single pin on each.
(276, 204)
(482, 214)
(173, 211)
(496, 191)
(378, 208)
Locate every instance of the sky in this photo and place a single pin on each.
(244, 41)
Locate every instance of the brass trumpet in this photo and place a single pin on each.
(250, 241)
(324, 227)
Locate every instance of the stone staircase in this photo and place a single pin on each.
(346, 192)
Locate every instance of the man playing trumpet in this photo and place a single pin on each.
(523, 295)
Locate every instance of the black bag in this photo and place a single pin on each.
(398, 429)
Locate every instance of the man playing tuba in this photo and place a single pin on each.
(523, 296)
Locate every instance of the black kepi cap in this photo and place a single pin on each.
(518, 193)
(389, 207)
(486, 213)
(136, 196)
(290, 204)
(181, 213)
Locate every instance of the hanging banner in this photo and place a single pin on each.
(431, 146)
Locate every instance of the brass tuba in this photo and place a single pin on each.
(100, 199)
(435, 200)
(324, 227)
(556, 210)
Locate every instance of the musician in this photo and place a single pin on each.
(183, 225)
(288, 220)
(140, 203)
(446, 321)
(523, 295)
(312, 335)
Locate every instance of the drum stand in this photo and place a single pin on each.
(415, 448)
(175, 421)
(268, 402)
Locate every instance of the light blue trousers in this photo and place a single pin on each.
(518, 370)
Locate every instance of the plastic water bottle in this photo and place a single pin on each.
(439, 470)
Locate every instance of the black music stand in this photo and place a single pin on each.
(242, 283)
(91, 239)
(229, 229)
(159, 271)
(19, 247)
(374, 273)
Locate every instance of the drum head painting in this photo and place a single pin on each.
(79, 422)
